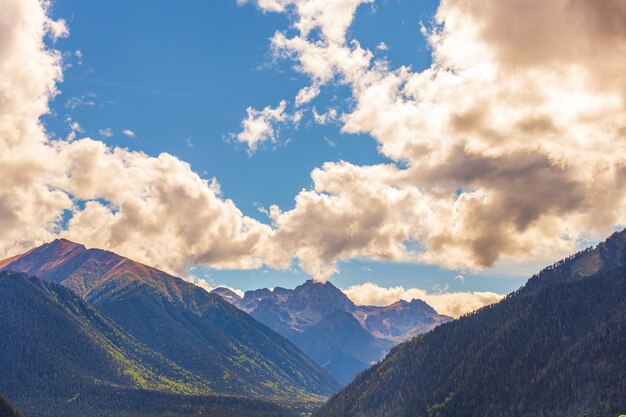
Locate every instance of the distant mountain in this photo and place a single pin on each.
(197, 331)
(61, 357)
(7, 409)
(401, 320)
(341, 345)
(341, 337)
(553, 348)
(227, 294)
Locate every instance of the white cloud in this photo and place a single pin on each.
(325, 118)
(208, 287)
(75, 128)
(306, 94)
(160, 211)
(269, 5)
(55, 28)
(382, 46)
(87, 100)
(29, 208)
(129, 133)
(258, 126)
(505, 148)
(106, 133)
(153, 209)
(508, 148)
(453, 304)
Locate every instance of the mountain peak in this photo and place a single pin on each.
(198, 331)
(61, 245)
(312, 282)
(609, 254)
(65, 243)
(324, 296)
(86, 271)
(227, 294)
(316, 285)
(44, 261)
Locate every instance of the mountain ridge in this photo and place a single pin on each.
(552, 348)
(307, 315)
(198, 331)
(61, 356)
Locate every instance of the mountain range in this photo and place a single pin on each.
(553, 348)
(61, 357)
(340, 336)
(117, 323)
(86, 332)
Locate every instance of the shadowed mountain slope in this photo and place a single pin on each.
(340, 336)
(553, 348)
(60, 356)
(197, 331)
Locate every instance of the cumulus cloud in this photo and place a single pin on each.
(307, 94)
(258, 126)
(29, 208)
(153, 209)
(325, 118)
(510, 146)
(453, 304)
(55, 28)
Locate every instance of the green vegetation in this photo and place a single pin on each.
(554, 348)
(61, 357)
(206, 345)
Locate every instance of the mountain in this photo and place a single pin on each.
(197, 331)
(7, 409)
(401, 320)
(341, 337)
(227, 294)
(341, 345)
(60, 356)
(553, 348)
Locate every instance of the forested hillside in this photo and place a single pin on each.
(61, 357)
(554, 349)
(340, 336)
(198, 332)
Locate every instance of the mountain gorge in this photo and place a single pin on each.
(340, 336)
(553, 348)
(208, 345)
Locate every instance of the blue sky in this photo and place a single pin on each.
(180, 75)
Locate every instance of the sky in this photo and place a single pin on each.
(449, 148)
